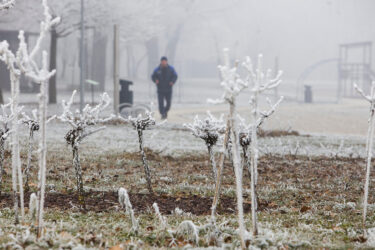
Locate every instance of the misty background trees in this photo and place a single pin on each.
(191, 34)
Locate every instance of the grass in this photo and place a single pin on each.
(305, 202)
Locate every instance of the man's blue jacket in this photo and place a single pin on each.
(165, 76)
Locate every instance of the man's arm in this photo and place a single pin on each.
(174, 75)
(154, 76)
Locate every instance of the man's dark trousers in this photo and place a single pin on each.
(164, 99)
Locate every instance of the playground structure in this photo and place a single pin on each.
(354, 66)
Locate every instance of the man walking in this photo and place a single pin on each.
(164, 76)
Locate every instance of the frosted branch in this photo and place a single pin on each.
(262, 81)
(264, 115)
(7, 4)
(362, 93)
(231, 82)
(80, 122)
(162, 219)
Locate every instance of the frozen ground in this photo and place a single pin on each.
(348, 117)
(174, 140)
(310, 185)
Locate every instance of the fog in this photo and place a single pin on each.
(300, 37)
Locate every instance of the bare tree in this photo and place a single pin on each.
(369, 145)
(23, 62)
(233, 85)
(41, 76)
(261, 82)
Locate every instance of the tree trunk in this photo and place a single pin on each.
(78, 169)
(1, 96)
(2, 151)
(220, 173)
(42, 154)
(16, 161)
(144, 160)
(172, 45)
(52, 90)
(212, 161)
(152, 47)
(254, 163)
(29, 156)
(369, 146)
(99, 56)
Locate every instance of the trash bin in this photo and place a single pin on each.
(308, 94)
(126, 95)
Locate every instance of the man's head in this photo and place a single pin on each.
(164, 61)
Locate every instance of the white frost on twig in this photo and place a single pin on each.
(231, 82)
(188, 228)
(162, 219)
(261, 81)
(125, 203)
(81, 121)
(33, 206)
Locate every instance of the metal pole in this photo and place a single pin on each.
(82, 62)
(116, 69)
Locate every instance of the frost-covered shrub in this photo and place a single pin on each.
(209, 130)
(82, 124)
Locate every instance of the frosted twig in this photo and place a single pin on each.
(162, 219)
(261, 82)
(6, 119)
(125, 203)
(33, 206)
(188, 228)
(369, 148)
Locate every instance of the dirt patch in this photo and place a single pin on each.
(277, 133)
(108, 201)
